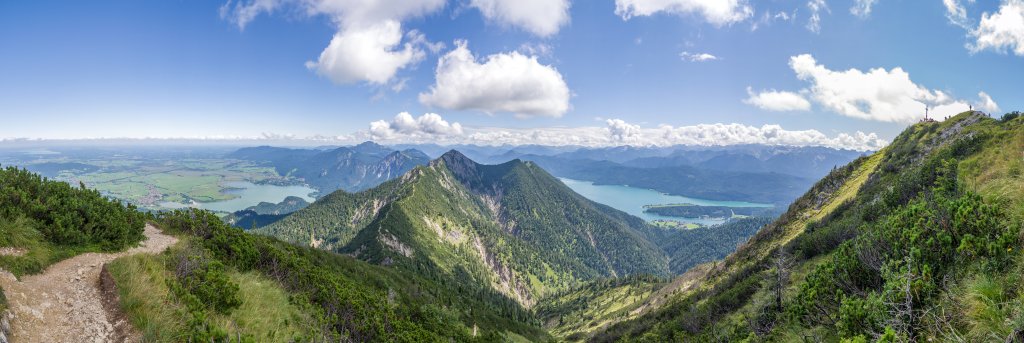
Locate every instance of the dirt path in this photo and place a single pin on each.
(65, 303)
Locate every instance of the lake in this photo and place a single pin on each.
(632, 200)
(249, 194)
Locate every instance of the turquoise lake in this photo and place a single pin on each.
(632, 200)
(249, 194)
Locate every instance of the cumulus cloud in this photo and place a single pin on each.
(404, 126)
(697, 57)
(862, 8)
(878, 94)
(716, 12)
(986, 104)
(621, 131)
(369, 46)
(816, 7)
(505, 82)
(370, 54)
(778, 101)
(1001, 31)
(540, 17)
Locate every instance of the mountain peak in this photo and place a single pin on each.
(369, 147)
(463, 167)
(455, 158)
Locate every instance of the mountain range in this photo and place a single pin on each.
(351, 169)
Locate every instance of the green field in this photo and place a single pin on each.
(148, 182)
(674, 224)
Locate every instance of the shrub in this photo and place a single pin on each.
(202, 283)
(1010, 116)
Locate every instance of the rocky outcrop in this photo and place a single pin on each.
(5, 325)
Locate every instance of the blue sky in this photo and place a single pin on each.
(600, 72)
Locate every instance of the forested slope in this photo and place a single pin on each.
(511, 227)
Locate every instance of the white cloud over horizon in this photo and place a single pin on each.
(431, 128)
(877, 94)
(715, 12)
(500, 83)
(426, 126)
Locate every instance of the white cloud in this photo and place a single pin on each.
(404, 126)
(369, 43)
(862, 8)
(768, 18)
(540, 17)
(816, 7)
(716, 12)
(616, 132)
(432, 128)
(878, 94)
(731, 134)
(697, 57)
(1001, 31)
(957, 14)
(623, 132)
(986, 104)
(370, 54)
(778, 101)
(505, 82)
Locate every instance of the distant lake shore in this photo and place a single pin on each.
(633, 200)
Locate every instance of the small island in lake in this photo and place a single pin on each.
(699, 211)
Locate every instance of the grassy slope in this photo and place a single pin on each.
(265, 314)
(986, 303)
(572, 315)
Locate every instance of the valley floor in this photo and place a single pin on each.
(65, 303)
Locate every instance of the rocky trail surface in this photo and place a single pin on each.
(65, 302)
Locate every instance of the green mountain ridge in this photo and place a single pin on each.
(918, 242)
(511, 226)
